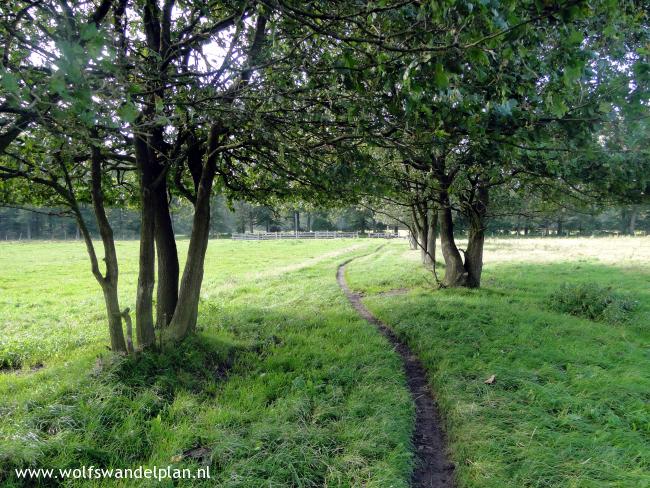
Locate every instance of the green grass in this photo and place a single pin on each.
(571, 403)
(50, 303)
(284, 383)
(286, 386)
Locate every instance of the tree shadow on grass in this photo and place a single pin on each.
(106, 419)
(264, 395)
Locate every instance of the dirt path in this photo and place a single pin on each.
(432, 469)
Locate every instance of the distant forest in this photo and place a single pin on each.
(52, 223)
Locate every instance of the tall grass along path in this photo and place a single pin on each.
(432, 470)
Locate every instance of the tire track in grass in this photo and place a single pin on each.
(432, 469)
(279, 271)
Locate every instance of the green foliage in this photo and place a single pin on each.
(592, 301)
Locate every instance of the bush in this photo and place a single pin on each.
(592, 302)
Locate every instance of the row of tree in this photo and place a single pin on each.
(431, 114)
(51, 224)
(225, 219)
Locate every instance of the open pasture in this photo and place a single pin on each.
(287, 386)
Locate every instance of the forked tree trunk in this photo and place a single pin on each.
(109, 281)
(477, 213)
(108, 284)
(455, 274)
(186, 312)
(185, 315)
(156, 231)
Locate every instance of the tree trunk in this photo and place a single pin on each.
(109, 281)
(168, 267)
(185, 315)
(423, 237)
(631, 228)
(186, 312)
(455, 274)
(144, 296)
(474, 256)
(432, 235)
(418, 230)
(477, 212)
(412, 240)
(118, 344)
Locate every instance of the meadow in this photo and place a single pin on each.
(284, 385)
(570, 402)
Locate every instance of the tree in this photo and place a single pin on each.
(503, 96)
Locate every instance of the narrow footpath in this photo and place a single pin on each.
(432, 469)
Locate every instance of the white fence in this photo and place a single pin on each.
(267, 236)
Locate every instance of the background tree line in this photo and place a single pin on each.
(50, 224)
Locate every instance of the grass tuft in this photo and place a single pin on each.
(592, 301)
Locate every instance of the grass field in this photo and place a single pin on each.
(570, 406)
(285, 386)
(50, 303)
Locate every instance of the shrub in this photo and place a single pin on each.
(592, 302)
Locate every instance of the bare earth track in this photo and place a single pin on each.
(432, 469)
